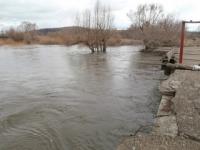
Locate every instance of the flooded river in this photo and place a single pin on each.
(65, 98)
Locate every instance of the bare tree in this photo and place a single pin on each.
(146, 16)
(155, 28)
(26, 31)
(29, 31)
(97, 26)
(12, 33)
(27, 27)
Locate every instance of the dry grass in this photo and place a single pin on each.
(11, 42)
(125, 37)
(69, 36)
(47, 40)
(57, 38)
(123, 41)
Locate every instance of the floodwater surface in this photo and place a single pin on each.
(65, 98)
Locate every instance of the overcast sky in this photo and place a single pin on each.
(59, 13)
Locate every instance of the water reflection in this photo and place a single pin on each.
(60, 98)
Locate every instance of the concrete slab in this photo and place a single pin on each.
(177, 130)
(166, 126)
(169, 86)
(165, 107)
(187, 105)
(153, 142)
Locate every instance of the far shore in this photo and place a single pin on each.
(55, 41)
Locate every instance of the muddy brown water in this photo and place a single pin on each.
(65, 98)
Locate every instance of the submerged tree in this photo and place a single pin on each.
(97, 26)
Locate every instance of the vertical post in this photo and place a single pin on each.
(182, 42)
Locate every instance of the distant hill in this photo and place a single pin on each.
(69, 29)
(61, 29)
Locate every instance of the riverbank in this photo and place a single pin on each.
(11, 42)
(48, 40)
(178, 119)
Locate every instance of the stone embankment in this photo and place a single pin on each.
(177, 125)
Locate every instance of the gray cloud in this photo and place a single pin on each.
(57, 13)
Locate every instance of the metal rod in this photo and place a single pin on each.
(182, 39)
(182, 42)
(191, 21)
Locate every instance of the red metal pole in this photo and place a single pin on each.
(182, 42)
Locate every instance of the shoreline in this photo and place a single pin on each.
(177, 123)
(121, 42)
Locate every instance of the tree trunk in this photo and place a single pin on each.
(104, 46)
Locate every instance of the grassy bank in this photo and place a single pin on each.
(66, 40)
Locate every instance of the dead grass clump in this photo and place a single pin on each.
(10, 42)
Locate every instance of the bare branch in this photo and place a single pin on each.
(97, 24)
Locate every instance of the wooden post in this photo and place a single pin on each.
(182, 42)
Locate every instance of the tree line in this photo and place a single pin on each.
(149, 23)
(26, 32)
(95, 27)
